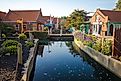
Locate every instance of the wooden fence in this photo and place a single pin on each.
(117, 42)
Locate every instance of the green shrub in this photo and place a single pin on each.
(97, 45)
(11, 49)
(22, 36)
(87, 43)
(45, 28)
(94, 38)
(78, 39)
(3, 50)
(40, 35)
(9, 43)
(3, 35)
(107, 47)
(29, 44)
(9, 46)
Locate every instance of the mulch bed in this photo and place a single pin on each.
(8, 66)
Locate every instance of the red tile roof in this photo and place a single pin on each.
(55, 20)
(44, 19)
(2, 15)
(27, 15)
(114, 16)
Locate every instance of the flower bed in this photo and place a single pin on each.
(94, 42)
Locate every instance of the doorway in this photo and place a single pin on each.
(111, 30)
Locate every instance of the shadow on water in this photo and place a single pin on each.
(40, 49)
(98, 72)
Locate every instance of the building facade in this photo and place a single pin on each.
(24, 20)
(104, 21)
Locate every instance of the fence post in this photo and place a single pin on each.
(19, 51)
(19, 60)
(103, 34)
(113, 39)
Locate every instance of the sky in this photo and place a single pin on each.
(56, 8)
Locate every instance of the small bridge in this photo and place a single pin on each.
(51, 36)
(62, 37)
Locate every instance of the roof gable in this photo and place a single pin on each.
(2, 15)
(114, 16)
(44, 19)
(27, 15)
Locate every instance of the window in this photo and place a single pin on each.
(17, 27)
(100, 28)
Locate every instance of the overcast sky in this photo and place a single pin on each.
(56, 7)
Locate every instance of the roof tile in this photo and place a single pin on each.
(114, 16)
(27, 15)
(2, 15)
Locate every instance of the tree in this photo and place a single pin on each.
(67, 23)
(63, 20)
(118, 5)
(77, 17)
(6, 28)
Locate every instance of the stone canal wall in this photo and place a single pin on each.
(29, 64)
(111, 64)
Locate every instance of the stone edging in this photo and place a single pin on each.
(29, 63)
(109, 63)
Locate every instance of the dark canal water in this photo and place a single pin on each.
(64, 61)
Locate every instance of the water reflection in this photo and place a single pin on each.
(72, 50)
(40, 50)
(68, 63)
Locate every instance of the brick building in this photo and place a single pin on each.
(2, 15)
(105, 21)
(24, 20)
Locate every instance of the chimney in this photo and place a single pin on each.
(9, 10)
(41, 12)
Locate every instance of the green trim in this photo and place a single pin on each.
(115, 22)
(108, 29)
(86, 28)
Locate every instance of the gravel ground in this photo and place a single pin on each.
(7, 68)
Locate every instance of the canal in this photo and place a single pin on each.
(64, 61)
